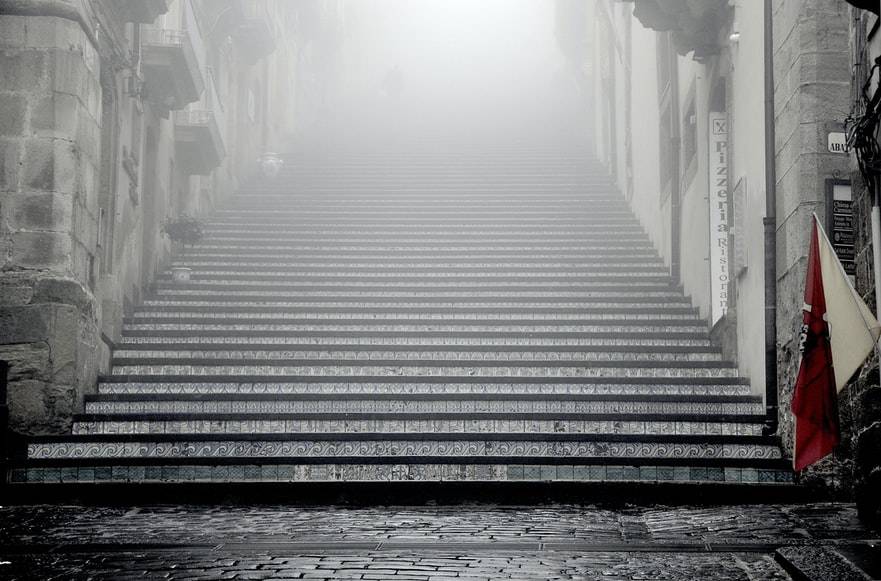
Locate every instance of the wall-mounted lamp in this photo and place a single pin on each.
(734, 37)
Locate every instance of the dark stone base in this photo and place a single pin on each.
(49, 336)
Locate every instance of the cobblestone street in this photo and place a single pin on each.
(426, 543)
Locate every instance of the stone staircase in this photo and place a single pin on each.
(418, 316)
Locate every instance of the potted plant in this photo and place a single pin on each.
(185, 230)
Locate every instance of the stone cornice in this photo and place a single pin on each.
(75, 10)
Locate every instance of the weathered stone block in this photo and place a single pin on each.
(27, 361)
(42, 211)
(56, 115)
(15, 293)
(41, 408)
(12, 31)
(12, 114)
(43, 250)
(52, 347)
(51, 32)
(24, 71)
(50, 165)
(63, 291)
(25, 324)
(10, 165)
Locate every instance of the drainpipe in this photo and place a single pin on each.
(676, 177)
(770, 224)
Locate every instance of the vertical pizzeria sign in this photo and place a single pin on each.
(719, 215)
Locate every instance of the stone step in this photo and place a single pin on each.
(544, 264)
(480, 230)
(416, 190)
(620, 294)
(480, 423)
(378, 305)
(590, 208)
(421, 368)
(604, 300)
(202, 328)
(379, 258)
(230, 402)
(292, 197)
(457, 446)
(369, 337)
(283, 310)
(296, 284)
(524, 469)
(327, 241)
(402, 272)
(609, 387)
(595, 223)
(139, 340)
(403, 248)
(378, 204)
(418, 355)
(656, 274)
(359, 316)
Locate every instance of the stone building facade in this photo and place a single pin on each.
(691, 67)
(863, 399)
(116, 116)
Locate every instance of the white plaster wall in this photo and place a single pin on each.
(694, 215)
(748, 162)
(653, 214)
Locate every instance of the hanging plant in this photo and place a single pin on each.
(184, 229)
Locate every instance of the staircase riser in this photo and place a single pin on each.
(400, 369)
(524, 309)
(413, 407)
(504, 297)
(417, 356)
(414, 318)
(414, 427)
(385, 389)
(397, 472)
(698, 345)
(395, 448)
(612, 327)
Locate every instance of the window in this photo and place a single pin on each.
(689, 134)
(665, 150)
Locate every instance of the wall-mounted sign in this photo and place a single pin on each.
(840, 224)
(719, 216)
(837, 142)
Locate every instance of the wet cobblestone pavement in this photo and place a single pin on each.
(425, 543)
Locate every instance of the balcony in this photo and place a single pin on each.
(142, 11)
(171, 70)
(255, 35)
(226, 16)
(695, 25)
(199, 133)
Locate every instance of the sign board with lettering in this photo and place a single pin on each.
(719, 215)
(837, 142)
(840, 223)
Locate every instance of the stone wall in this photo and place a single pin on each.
(49, 151)
(863, 401)
(89, 170)
(862, 404)
(812, 69)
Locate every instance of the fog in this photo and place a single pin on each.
(461, 71)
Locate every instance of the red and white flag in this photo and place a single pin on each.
(838, 334)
